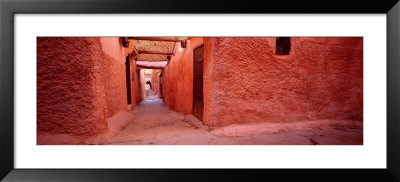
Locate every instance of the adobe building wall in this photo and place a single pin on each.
(70, 89)
(156, 82)
(114, 74)
(245, 82)
(177, 77)
(142, 82)
(135, 84)
(168, 86)
(81, 82)
(136, 94)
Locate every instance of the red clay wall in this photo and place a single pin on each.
(70, 87)
(114, 74)
(178, 77)
(156, 83)
(142, 82)
(135, 84)
(81, 83)
(245, 82)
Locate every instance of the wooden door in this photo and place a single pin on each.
(198, 103)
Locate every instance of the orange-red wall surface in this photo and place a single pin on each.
(137, 96)
(177, 77)
(114, 75)
(69, 99)
(245, 82)
(81, 82)
(156, 83)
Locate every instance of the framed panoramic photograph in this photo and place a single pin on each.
(199, 91)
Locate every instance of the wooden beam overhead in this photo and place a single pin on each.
(149, 67)
(151, 60)
(152, 52)
(167, 39)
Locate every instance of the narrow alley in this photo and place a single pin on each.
(154, 123)
(200, 91)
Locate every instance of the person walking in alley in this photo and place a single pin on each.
(148, 82)
(147, 88)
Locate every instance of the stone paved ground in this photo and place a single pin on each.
(156, 124)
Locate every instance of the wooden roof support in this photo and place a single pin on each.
(166, 39)
(134, 57)
(173, 50)
(151, 60)
(151, 52)
(149, 67)
(135, 50)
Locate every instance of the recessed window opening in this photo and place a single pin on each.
(282, 46)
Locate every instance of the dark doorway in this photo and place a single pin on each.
(128, 80)
(198, 103)
(140, 92)
(161, 85)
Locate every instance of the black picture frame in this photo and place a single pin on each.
(9, 8)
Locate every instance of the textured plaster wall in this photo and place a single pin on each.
(135, 84)
(155, 82)
(142, 83)
(178, 77)
(80, 84)
(70, 89)
(245, 82)
(113, 48)
(114, 75)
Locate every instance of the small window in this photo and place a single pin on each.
(282, 46)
